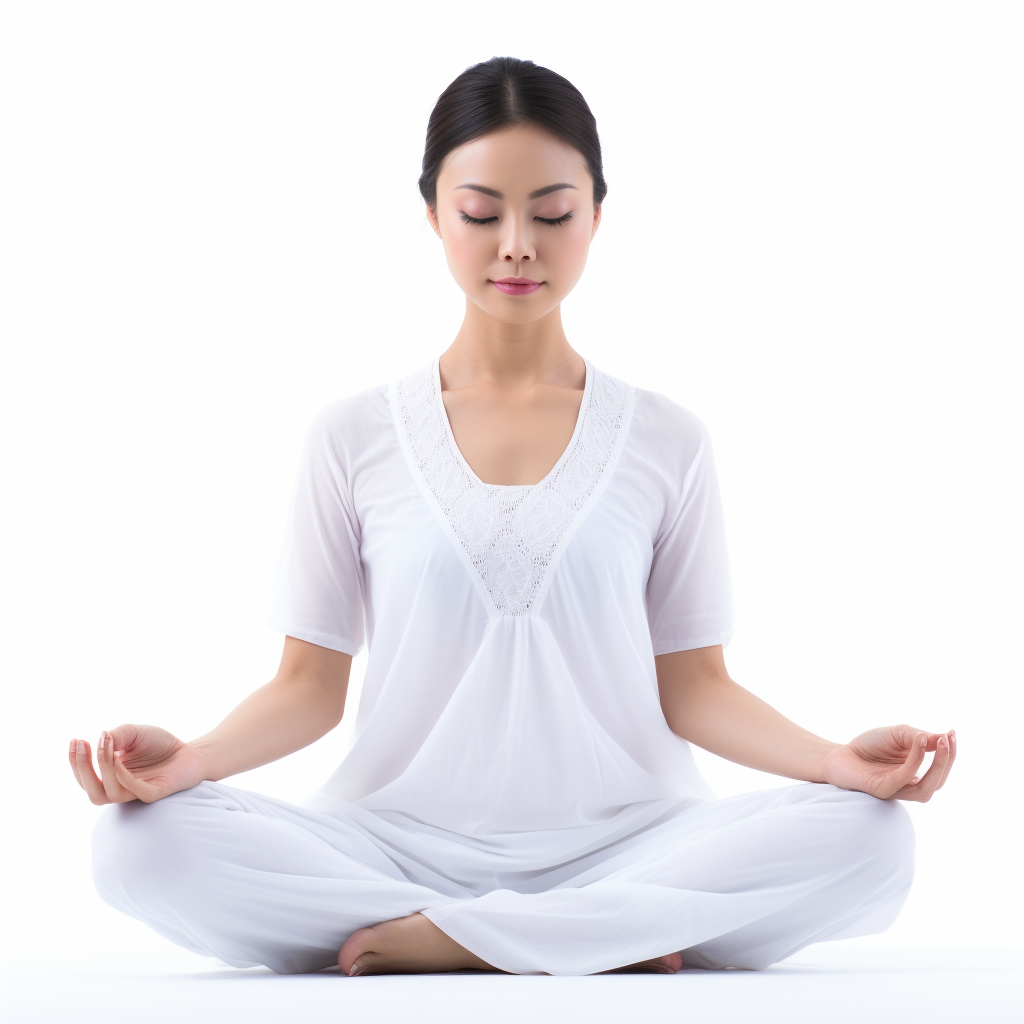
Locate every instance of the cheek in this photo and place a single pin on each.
(569, 246)
(466, 249)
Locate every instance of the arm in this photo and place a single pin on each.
(304, 701)
(704, 705)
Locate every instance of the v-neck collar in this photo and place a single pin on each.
(457, 451)
(510, 536)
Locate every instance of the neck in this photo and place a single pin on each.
(486, 349)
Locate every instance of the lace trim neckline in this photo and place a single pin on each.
(510, 536)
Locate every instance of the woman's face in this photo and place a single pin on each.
(515, 211)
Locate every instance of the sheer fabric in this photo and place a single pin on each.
(739, 882)
(510, 695)
(513, 777)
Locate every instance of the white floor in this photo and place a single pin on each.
(830, 982)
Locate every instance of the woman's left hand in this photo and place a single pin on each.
(884, 762)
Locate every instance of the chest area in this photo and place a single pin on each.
(510, 538)
(512, 439)
(498, 558)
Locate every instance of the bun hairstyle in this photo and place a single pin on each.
(501, 93)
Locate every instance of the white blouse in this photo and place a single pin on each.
(510, 697)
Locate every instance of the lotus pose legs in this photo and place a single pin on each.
(533, 552)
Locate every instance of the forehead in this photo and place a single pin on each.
(517, 160)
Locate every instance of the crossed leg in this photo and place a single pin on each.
(738, 882)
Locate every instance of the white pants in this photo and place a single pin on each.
(739, 882)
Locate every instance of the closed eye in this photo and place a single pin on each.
(465, 217)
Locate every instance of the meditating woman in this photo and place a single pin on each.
(533, 552)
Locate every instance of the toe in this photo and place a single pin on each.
(659, 966)
(668, 964)
(356, 945)
(362, 965)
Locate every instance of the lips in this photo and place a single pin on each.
(516, 285)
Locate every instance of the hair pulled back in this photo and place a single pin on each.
(501, 93)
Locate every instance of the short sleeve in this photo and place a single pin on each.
(318, 586)
(689, 591)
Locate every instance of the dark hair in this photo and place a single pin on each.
(501, 93)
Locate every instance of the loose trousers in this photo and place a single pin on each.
(743, 881)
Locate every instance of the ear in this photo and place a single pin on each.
(432, 217)
(597, 220)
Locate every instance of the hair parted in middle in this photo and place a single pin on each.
(501, 93)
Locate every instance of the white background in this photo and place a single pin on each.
(812, 239)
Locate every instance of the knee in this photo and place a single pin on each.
(877, 837)
(135, 842)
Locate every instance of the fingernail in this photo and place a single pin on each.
(80, 746)
(71, 747)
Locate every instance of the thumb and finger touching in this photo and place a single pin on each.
(116, 783)
(115, 791)
(933, 779)
(901, 775)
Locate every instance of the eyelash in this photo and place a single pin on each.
(487, 220)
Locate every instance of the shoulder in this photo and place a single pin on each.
(667, 429)
(354, 412)
(347, 426)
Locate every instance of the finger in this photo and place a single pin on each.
(124, 736)
(116, 793)
(908, 735)
(902, 774)
(87, 778)
(945, 754)
(929, 782)
(951, 759)
(73, 760)
(139, 788)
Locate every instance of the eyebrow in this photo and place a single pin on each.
(533, 195)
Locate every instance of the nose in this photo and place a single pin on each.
(516, 246)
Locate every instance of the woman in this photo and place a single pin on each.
(534, 553)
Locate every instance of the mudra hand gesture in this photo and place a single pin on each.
(884, 762)
(144, 762)
(137, 762)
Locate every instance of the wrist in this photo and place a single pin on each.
(821, 763)
(206, 748)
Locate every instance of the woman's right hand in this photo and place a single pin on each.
(137, 762)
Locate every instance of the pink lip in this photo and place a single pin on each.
(517, 285)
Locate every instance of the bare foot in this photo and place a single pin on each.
(406, 945)
(415, 945)
(667, 964)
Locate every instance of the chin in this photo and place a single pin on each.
(516, 310)
(518, 318)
